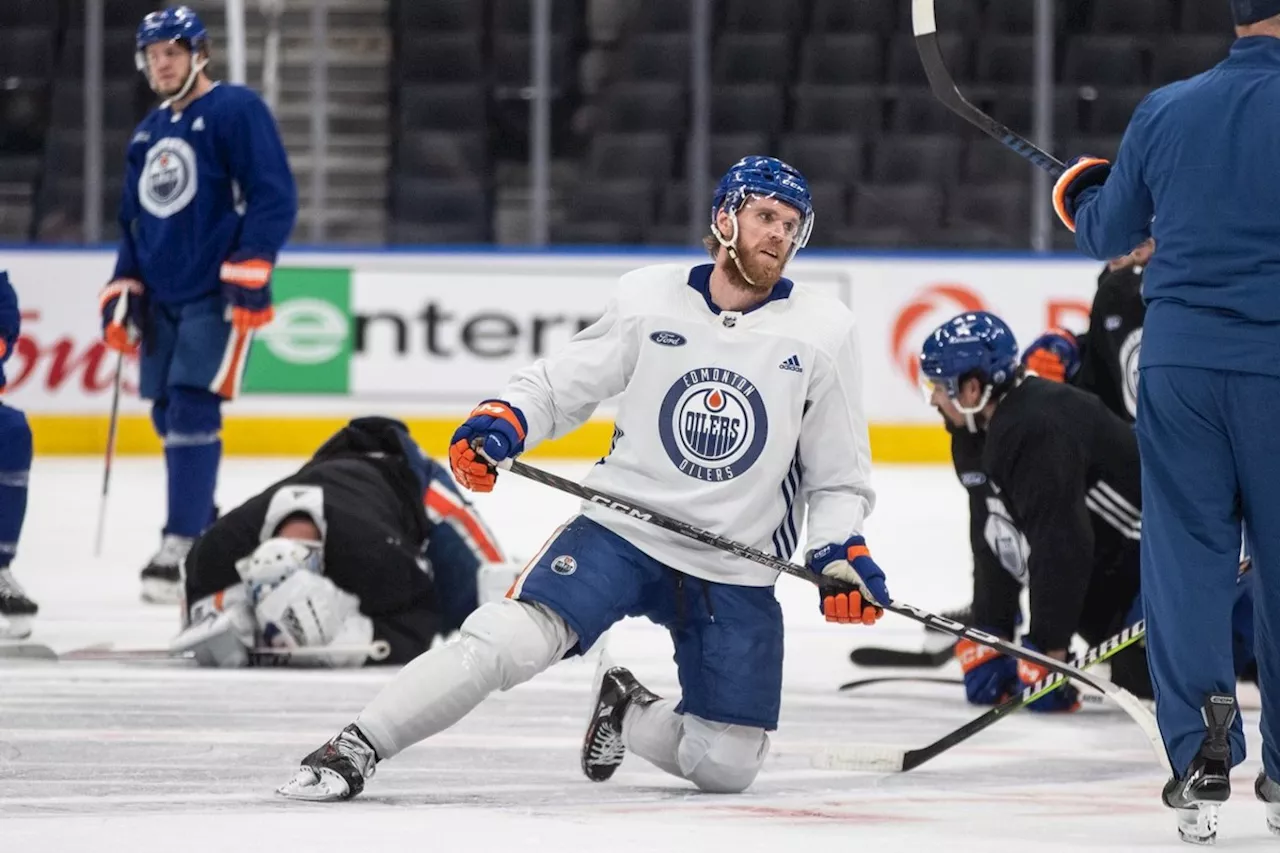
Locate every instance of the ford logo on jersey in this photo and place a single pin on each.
(668, 339)
(713, 424)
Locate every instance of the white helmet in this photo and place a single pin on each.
(275, 559)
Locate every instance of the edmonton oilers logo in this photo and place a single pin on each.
(168, 180)
(713, 424)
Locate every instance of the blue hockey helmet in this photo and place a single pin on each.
(766, 177)
(177, 23)
(975, 344)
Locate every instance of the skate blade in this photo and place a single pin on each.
(315, 785)
(160, 592)
(1198, 825)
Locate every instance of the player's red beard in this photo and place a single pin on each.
(763, 269)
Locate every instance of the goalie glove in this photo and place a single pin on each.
(221, 630)
(307, 610)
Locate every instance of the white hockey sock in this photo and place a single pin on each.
(501, 645)
(653, 732)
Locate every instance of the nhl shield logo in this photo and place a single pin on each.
(168, 180)
(713, 424)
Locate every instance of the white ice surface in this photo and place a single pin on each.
(137, 757)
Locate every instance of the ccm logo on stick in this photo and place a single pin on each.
(631, 511)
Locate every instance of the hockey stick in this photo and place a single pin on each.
(875, 656)
(925, 26)
(892, 679)
(881, 758)
(1119, 695)
(378, 650)
(112, 424)
(1085, 698)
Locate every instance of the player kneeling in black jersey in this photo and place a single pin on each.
(368, 541)
(1056, 474)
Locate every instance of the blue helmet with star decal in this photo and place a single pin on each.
(765, 177)
(975, 344)
(175, 24)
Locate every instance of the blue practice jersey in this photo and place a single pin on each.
(203, 186)
(1196, 170)
(10, 321)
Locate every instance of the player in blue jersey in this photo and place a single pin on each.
(1194, 171)
(208, 202)
(16, 608)
(740, 410)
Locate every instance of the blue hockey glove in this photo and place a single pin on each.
(851, 566)
(1081, 174)
(1054, 355)
(246, 288)
(495, 427)
(122, 303)
(989, 677)
(1064, 699)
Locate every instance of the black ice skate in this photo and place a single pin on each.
(1197, 796)
(1267, 790)
(602, 747)
(335, 771)
(17, 610)
(162, 578)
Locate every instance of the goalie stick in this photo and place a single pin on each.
(925, 26)
(889, 759)
(1126, 700)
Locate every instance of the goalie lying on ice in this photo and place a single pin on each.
(368, 541)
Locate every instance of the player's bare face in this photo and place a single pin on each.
(168, 65)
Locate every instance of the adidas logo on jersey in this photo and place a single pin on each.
(793, 364)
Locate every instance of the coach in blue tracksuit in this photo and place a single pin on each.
(1199, 170)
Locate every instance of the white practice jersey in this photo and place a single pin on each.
(733, 422)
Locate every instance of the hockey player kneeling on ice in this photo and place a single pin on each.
(1055, 506)
(739, 407)
(369, 541)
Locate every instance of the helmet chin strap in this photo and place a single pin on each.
(197, 65)
(731, 246)
(970, 412)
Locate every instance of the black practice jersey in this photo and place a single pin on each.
(376, 533)
(1109, 351)
(999, 548)
(1066, 469)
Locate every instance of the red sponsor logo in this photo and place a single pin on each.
(929, 308)
(62, 362)
(1067, 314)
